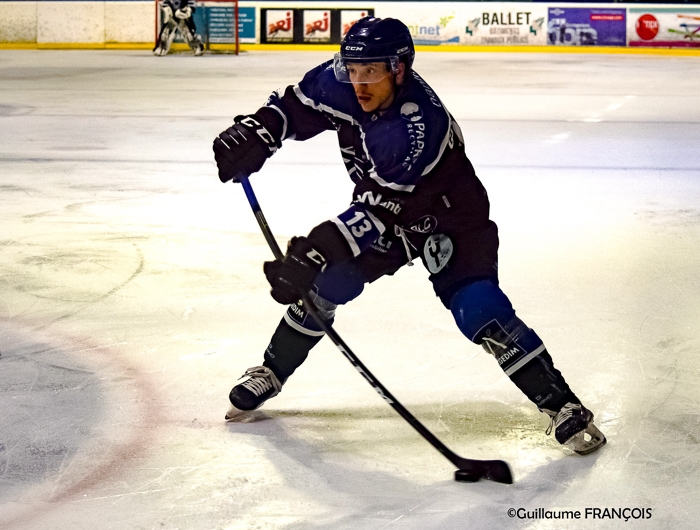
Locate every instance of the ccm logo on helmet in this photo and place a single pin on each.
(354, 48)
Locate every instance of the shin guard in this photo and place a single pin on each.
(485, 316)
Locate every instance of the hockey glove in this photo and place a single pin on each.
(292, 278)
(167, 14)
(184, 13)
(242, 149)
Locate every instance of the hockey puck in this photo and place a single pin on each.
(463, 475)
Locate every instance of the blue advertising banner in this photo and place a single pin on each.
(246, 24)
(219, 23)
(215, 23)
(575, 26)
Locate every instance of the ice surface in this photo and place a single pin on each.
(131, 298)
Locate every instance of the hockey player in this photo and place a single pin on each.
(177, 16)
(416, 196)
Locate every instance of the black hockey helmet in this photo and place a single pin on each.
(373, 39)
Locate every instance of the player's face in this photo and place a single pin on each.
(374, 84)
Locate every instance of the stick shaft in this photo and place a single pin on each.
(343, 347)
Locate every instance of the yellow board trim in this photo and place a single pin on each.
(493, 49)
(605, 50)
(601, 50)
(76, 46)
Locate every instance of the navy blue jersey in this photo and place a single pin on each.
(409, 167)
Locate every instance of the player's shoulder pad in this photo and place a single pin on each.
(419, 103)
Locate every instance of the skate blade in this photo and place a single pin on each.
(587, 441)
(248, 416)
(234, 414)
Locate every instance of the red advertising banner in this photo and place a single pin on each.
(669, 27)
(307, 25)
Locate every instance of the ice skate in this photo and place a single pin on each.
(197, 46)
(261, 385)
(573, 426)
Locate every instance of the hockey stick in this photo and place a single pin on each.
(468, 470)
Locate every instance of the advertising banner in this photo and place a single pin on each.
(317, 26)
(220, 22)
(505, 24)
(246, 24)
(586, 26)
(308, 25)
(429, 24)
(216, 21)
(671, 27)
(279, 25)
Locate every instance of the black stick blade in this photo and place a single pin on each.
(474, 470)
(497, 471)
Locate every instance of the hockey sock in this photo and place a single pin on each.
(522, 356)
(543, 384)
(288, 349)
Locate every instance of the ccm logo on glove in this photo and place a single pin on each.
(293, 277)
(242, 149)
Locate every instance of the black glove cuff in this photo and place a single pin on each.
(306, 254)
(254, 125)
(272, 121)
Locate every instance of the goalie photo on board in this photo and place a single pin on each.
(177, 17)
